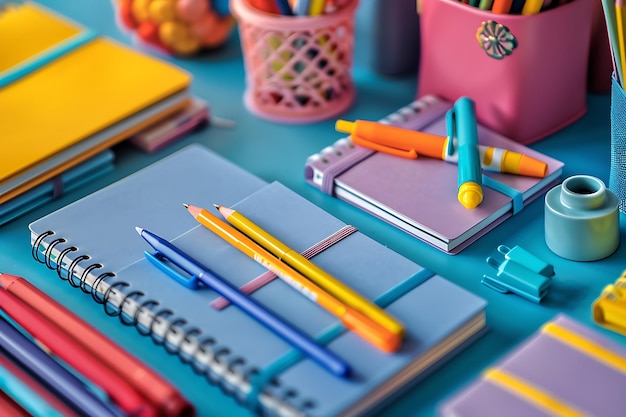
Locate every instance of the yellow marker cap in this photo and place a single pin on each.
(470, 195)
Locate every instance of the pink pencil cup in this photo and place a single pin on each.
(298, 68)
(527, 74)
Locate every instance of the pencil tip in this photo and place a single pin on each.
(139, 229)
(217, 206)
(186, 205)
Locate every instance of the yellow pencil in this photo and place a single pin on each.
(350, 317)
(532, 7)
(317, 7)
(620, 20)
(310, 270)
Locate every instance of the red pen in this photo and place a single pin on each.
(65, 347)
(162, 395)
(268, 6)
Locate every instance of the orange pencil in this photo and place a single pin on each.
(501, 6)
(354, 320)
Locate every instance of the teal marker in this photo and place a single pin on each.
(463, 132)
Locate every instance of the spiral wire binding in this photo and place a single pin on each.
(221, 367)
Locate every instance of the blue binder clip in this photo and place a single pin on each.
(515, 278)
(527, 259)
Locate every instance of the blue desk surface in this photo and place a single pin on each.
(278, 152)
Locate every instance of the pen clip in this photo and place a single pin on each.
(161, 261)
(379, 147)
(451, 129)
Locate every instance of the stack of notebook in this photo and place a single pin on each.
(67, 94)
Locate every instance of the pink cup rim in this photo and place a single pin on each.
(249, 14)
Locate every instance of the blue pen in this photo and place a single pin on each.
(284, 7)
(52, 374)
(301, 341)
(463, 130)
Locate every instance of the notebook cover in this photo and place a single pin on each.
(46, 32)
(81, 151)
(420, 196)
(582, 382)
(435, 312)
(72, 179)
(76, 95)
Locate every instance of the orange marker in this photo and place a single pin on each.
(408, 143)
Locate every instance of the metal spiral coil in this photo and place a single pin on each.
(220, 357)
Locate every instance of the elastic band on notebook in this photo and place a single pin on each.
(258, 381)
(267, 277)
(342, 165)
(531, 393)
(586, 346)
(515, 195)
(45, 57)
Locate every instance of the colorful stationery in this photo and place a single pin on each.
(54, 376)
(103, 92)
(411, 144)
(304, 343)
(229, 347)
(383, 337)
(462, 129)
(63, 346)
(420, 196)
(53, 188)
(155, 389)
(387, 332)
(564, 369)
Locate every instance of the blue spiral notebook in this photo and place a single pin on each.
(249, 361)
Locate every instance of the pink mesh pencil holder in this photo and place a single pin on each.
(298, 68)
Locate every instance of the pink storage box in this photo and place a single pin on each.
(527, 74)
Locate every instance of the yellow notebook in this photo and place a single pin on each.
(60, 85)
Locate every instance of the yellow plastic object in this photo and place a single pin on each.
(609, 310)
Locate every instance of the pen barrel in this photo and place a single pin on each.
(396, 137)
(66, 348)
(251, 307)
(467, 137)
(510, 162)
(52, 374)
(463, 125)
(376, 316)
(317, 275)
(147, 382)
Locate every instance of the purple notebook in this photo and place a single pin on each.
(564, 369)
(420, 196)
